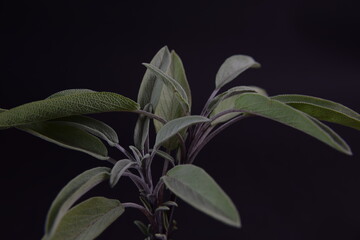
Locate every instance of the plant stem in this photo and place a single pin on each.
(126, 153)
(138, 181)
(148, 215)
(214, 133)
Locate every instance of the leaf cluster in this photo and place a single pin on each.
(164, 102)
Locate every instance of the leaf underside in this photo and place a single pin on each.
(88, 219)
(193, 185)
(263, 106)
(322, 109)
(76, 188)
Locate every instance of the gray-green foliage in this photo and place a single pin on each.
(164, 97)
(197, 188)
(75, 189)
(88, 219)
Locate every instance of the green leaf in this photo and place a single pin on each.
(166, 156)
(71, 92)
(172, 127)
(142, 227)
(150, 87)
(226, 101)
(232, 67)
(71, 193)
(88, 219)
(141, 131)
(259, 105)
(93, 126)
(68, 137)
(118, 170)
(3, 110)
(169, 106)
(172, 84)
(177, 72)
(322, 109)
(193, 185)
(63, 106)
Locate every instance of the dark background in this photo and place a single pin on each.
(285, 184)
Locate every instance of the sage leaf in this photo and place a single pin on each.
(151, 86)
(259, 105)
(3, 110)
(232, 67)
(68, 136)
(226, 101)
(322, 109)
(193, 185)
(172, 127)
(88, 219)
(141, 131)
(177, 72)
(172, 84)
(67, 105)
(142, 227)
(71, 92)
(169, 106)
(118, 170)
(93, 126)
(76, 188)
(166, 156)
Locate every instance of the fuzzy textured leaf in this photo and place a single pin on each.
(232, 67)
(226, 101)
(141, 131)
(73, 91)
(172, 127)
(259, 105)
(67, 105)
(68, 136)
(151, 86)
(93, 126)
(193, 185)
(118, 170)
(88, 219)
(172, 84)
(322, 109)
(169, 106)
(71, 193)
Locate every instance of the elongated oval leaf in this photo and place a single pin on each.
(232, 67)
(193, 185)
(172, 84)
(88, 219)
(71, 92)
(141, 131)
(166, 156)
(169, 106)
(322, 109)
(275, 110)
(68, 137)
(171, 128)
(150, 87)
(226, 101)
(63, 106)
(177, 72)
(118, 170)
(71, 193)
(93, 126)
(3, 110)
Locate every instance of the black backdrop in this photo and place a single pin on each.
(285, 184)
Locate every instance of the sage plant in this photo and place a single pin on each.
(164, 102)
